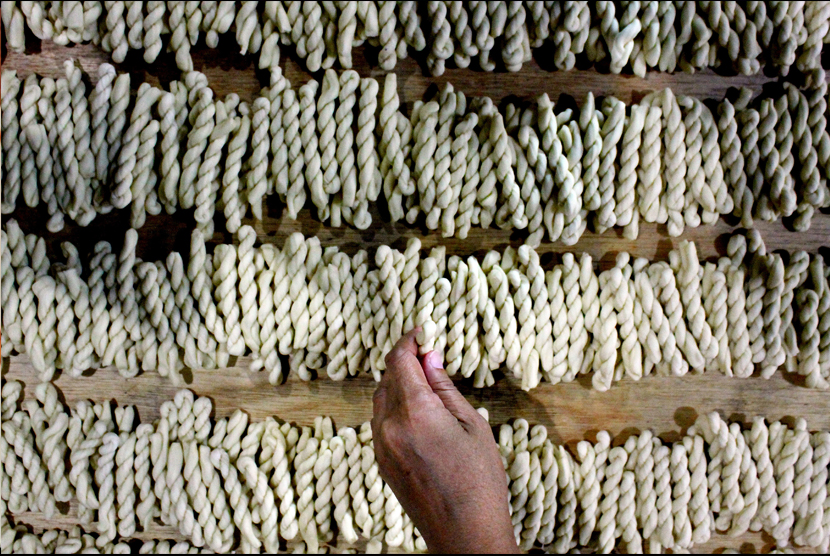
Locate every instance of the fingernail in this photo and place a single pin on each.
(434, 360)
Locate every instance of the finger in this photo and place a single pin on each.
(444, 388)
(404, 375)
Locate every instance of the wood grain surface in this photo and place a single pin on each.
(571, 412)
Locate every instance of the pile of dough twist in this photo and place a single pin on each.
(311, 311)
(453, 163)
(231, 484)
(668, 36)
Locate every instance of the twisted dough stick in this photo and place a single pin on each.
(389, 38)
(529, 356)
(578, 336)
(624, 305)
(504, 347)
(572, 142)
(44, 290)
(311, 154)
(629, 158)
(32, 142)
(391, 292)
(459, 170)
(674, 162)
(593, 145)
(606, 335)
(202, 119)
(425, 305)
(463, 34)
(611, 133)
(82, 135)
(688, 277)
(326, 128)
(424, 153)
(247, 289)
(70, 198)
(442, 193)
(730, 146)
(256, 176)
(105, 480)
(808, 356)
(794, 276)
(366, 161)
(392, 163)
(710, 151)
(775, 355)
(316, 297)
(442, 45)
(589, 491)
(349, 82)
(650, 182)
(670, 298)
(681, 496)
(513, 51)
(610, 497)
(697, 187)
(295, 195)
(738, 331)
(339, 326)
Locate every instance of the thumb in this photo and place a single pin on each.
(444, 388)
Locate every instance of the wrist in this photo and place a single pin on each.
(473, 531)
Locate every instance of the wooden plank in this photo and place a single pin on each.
(571, 412)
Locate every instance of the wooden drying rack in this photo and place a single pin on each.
(571, 412)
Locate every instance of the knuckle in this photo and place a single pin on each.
(393, 358)
(379, 396)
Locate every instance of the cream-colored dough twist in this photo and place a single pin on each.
(610, 499)
(367, 163)
(349, 83)
(629, 159)
(560, 328)
(202, 120)
(674, 161)
(673, 309)
(794, 276)
(689, 282)
(711, 154)
(606, 333)
(775, 355)
(526, 318)
(593, 145)
(631, 353)
(326, 128)
(442, 46)
(444, 155)
(572, 143)
(260, 142)
(578, 336)
(650, 178)
(611, 133)
(237, 148)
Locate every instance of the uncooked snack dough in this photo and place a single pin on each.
(640, 37)
(456, 161)
(326, 311)
(228, 484)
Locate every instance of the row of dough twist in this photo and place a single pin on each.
(307, 310)
(631, 36)
(451, 164)
(234, 484)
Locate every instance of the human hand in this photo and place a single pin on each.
(439, 456)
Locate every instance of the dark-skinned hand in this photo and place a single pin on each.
(439, 456)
